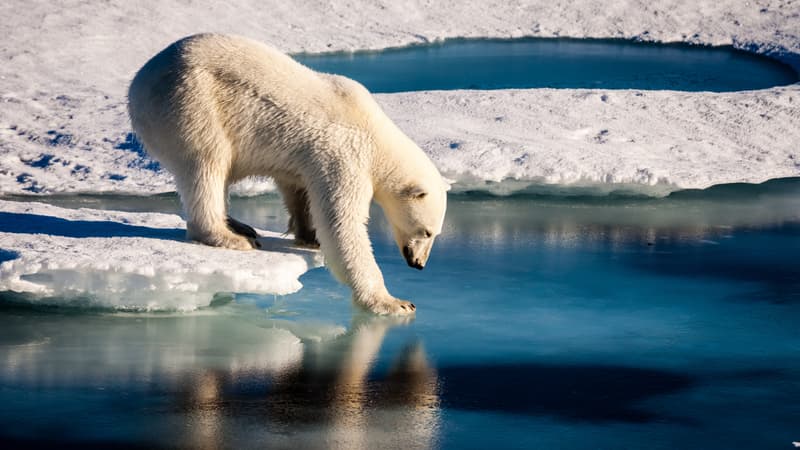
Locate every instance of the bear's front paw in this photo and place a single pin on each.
(306, 243)
(228, 240)
(386, 305)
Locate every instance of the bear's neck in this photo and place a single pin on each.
(396, 161)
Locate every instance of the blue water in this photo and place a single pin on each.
(556, 63)
(542, 322)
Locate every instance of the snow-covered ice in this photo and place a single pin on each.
(649, 141)
(133, 260)
(66, 66)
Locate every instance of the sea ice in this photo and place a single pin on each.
(133, 260)
(651, 142)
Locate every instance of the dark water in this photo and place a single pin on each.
(542, 323)
(556, 63)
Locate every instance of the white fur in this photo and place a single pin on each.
(214, 109)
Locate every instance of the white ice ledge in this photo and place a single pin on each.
(649, 142)
(138, 261)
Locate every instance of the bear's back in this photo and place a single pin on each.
(225, 67)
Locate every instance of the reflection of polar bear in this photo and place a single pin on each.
(215, 109)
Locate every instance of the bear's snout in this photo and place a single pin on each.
(412, 262)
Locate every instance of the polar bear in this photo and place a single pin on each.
(214, 109)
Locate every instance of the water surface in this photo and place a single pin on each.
(542, 323)
(556, 63)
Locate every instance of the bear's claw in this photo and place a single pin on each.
(391, 307)
(224, 239)
(306, 243)
(241, 228)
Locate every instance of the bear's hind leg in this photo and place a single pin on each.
(240, 228)
(204, 200)
(296, 200)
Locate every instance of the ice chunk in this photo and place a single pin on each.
(133, 260)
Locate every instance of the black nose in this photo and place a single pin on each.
(415, 265)
(410, 259)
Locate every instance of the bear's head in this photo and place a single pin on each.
(416, 214)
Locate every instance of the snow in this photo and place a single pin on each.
(138, 261)
(66, 66)
(651, 142)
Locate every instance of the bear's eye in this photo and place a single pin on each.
(413, 192)
(427, 233)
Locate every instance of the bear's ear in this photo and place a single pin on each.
(413, 191)
(448, 183)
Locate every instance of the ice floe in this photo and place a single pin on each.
(137, 261)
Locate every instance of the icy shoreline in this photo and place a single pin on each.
(134, 261)
(63, 125)
(654, 142)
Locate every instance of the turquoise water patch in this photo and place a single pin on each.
(555, 63)
(543, 322)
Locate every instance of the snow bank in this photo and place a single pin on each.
(133, 260)
(66, 66)
(649, 141)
